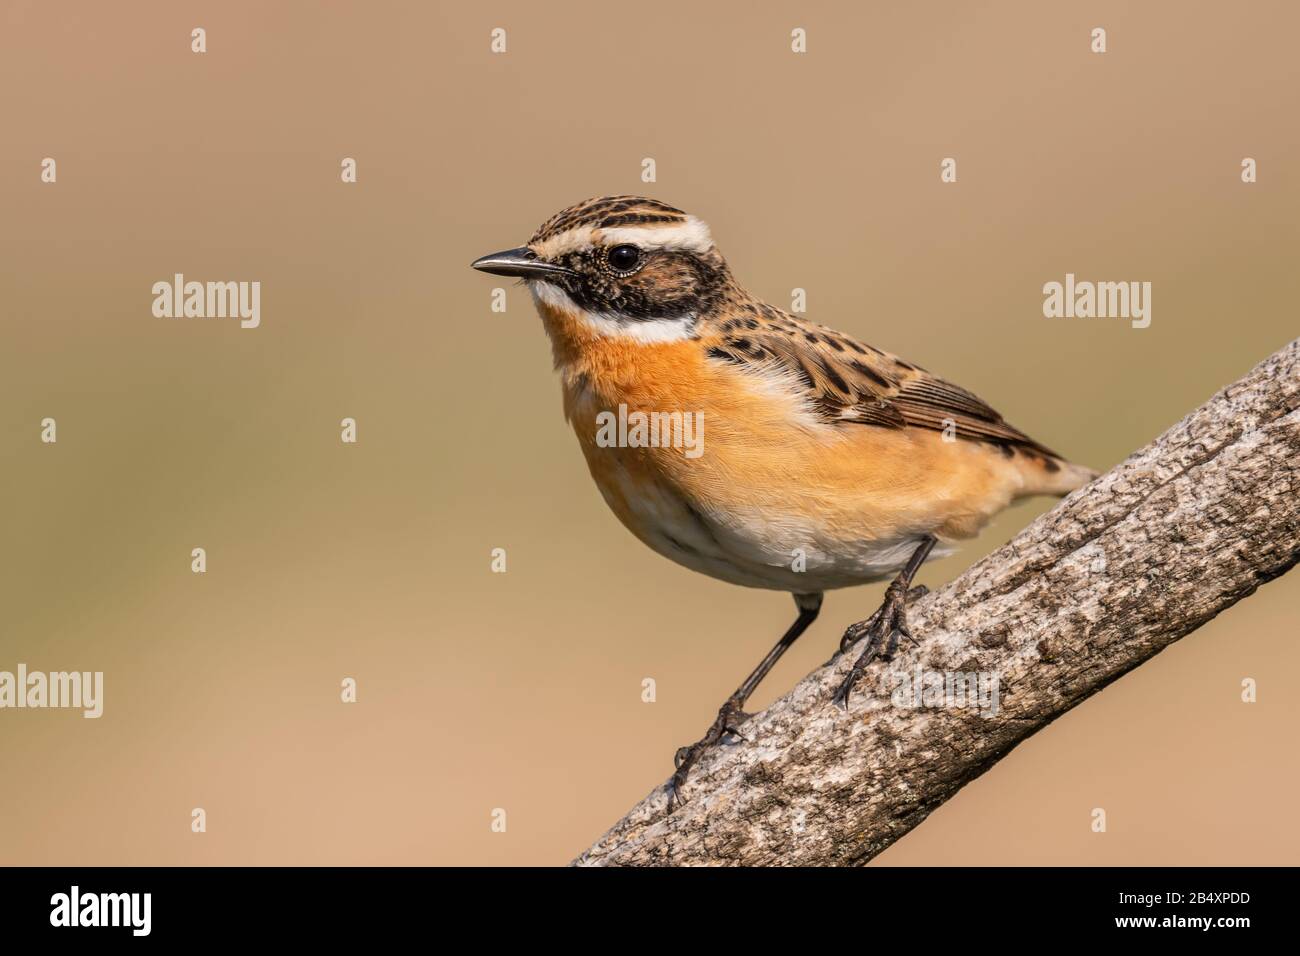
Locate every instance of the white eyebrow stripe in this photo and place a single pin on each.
(572, 240)
(691, 236)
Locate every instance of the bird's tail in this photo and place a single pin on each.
(1055, 476)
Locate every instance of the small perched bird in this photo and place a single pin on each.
(815, 461)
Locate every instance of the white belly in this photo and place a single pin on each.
(760, 550)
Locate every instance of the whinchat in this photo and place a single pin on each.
(813, 461)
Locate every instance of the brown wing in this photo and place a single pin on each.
(855, 384)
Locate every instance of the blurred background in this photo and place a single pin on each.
(522, 691)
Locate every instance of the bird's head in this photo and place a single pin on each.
(622, 264)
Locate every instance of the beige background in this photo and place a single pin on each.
(522, 690)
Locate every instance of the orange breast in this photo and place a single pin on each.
(769, 475)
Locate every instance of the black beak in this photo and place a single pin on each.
(522, 262)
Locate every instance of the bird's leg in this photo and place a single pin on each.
(731, 714)
(883, 629)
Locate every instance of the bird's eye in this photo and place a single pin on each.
(623, 258)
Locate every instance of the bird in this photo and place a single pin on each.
(819, 462)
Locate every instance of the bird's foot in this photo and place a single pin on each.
(730, 717)
(882, 631)
(855, 632)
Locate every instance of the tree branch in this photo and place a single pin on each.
(1150, 551)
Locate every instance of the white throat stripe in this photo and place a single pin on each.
(645, 331)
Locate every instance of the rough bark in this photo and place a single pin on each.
(1180, 531)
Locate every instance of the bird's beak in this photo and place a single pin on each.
(522, 262)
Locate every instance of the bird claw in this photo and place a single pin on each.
(730, 718)
(854, 632)
(882, 632)
(733, 731)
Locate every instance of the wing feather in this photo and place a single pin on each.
(851, 383)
